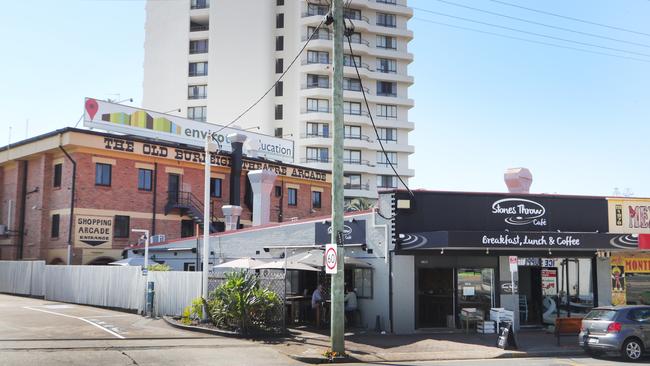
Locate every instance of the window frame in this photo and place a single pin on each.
(319, 107)
(57, 175)
(199, 46)
(142, 180)
(99, 176)
(386, 20)
(292, 200)
(316, 203)
(366, 273)
(213, 187)
(55, 229)
(201, 91)
(199, 68)
(194, 116)
(117, 231)
(279, 21)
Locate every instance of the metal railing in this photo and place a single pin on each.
(183, 199)
(315, 36)
(198, 96)
(314, 160)
(363, 187)
(358, 162)
(199, 28)
(200, 4)
(358, 137)
(328, 110)
(315, 86)
(386, 94)
(314, 136)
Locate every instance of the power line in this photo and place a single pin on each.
(531, 40)
(538, 34)
(536, 23)
(570, 18)
(363, 91)
(277, 81)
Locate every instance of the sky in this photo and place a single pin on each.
(579, 121)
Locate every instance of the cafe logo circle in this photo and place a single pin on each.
(519, 211)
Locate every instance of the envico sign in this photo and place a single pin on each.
(159, 126)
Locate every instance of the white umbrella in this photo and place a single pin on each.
(288, 265)
(315, 258)
(244, 263)
(131, 261)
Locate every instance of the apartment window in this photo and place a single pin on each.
(279, 43)
(318, 81)
(215, 187)
(315, 199)
(54, 231)
(278, 112)
(355, 38)
(353, 108)
(352, 132)
(386, 42)
(315, 129)
(318, 57)
(197, 113)
(279, 21)
(278, 89)
(352, 156)
(352, 181)
(278, 132)
(318, 105)
(386, 111)
(352, 13)
(198, 27)
(292, 197)
(317, 154)
(279, 2)
(387, 1)
(386, 65)
(279, 65)
(315, 9)
(387, 134)
(121, 229)
(386, 20)
(200, 4)
(387, 88)
(386, 181)
(58, 168)
(197, 92)
(198, 69)
(145, 179)
(199, 46)
(351, 84)
(187, 228)
(387, 158)
(362, 280)
(103, 174)
(321, 33)
(349, 60)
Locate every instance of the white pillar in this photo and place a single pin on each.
(231, 215)
(262, 184)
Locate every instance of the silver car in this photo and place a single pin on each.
(616, 329)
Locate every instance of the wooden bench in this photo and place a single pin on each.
(567, 326)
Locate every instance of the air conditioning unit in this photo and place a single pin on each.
(3, 230)
(157, 238)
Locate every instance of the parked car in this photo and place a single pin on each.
(624, 330)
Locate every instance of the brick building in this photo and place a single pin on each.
(124, 183)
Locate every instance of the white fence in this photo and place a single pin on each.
(107, 286)
(22, 277)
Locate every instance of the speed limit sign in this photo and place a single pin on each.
(330, 259)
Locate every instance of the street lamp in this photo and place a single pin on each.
(145, 271)
(210, 147)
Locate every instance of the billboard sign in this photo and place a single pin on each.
(629, 216)
(159, 126)
(93, 231)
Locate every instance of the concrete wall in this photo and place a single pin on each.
(604, 273)
(403, 294)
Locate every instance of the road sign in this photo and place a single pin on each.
(331, 263)
(513, 263)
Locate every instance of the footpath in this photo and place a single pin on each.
(309, 346)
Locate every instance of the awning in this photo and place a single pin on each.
(515, 240)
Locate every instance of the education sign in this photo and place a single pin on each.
(140, 122)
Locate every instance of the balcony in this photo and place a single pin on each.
(315, 160)
(314, 135)
(199, 27)
(359, 186)
(200, 4)
(358, 162)
(358, 137)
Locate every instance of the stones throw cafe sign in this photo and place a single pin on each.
(93, 231)
(520, 212)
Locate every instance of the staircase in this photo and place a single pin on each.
(188, 204)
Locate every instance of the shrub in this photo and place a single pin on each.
(241, 304)
(159, 267)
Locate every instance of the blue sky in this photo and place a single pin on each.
(579, 121)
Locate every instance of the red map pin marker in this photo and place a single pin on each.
(91, 107)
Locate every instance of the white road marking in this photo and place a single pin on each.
(104, 316)
(79, 318)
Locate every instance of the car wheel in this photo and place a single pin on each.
(632, 349)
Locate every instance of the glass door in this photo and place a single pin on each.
(475, 289)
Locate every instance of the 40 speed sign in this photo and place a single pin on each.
(331, 263)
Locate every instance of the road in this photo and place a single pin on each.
(540, 361)
(39, 332)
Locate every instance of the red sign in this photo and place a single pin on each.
(644, 241)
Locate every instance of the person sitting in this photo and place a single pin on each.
(316, 301)
(350, 304)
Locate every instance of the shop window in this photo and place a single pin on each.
(315, 199)
(189, 267)
(121, 229)
(57, 175)
(215, 187)
(362, 280)
(144, 179)
(55, 226)
(292, 198)
(187, 228)
(103, 174)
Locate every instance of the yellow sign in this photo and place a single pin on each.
(93, 231)
(629, 216)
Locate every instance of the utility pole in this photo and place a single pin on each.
(337, 312)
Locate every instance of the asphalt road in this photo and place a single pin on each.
(541, 361)
(38, 332)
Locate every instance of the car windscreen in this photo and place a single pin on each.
(601, 314)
